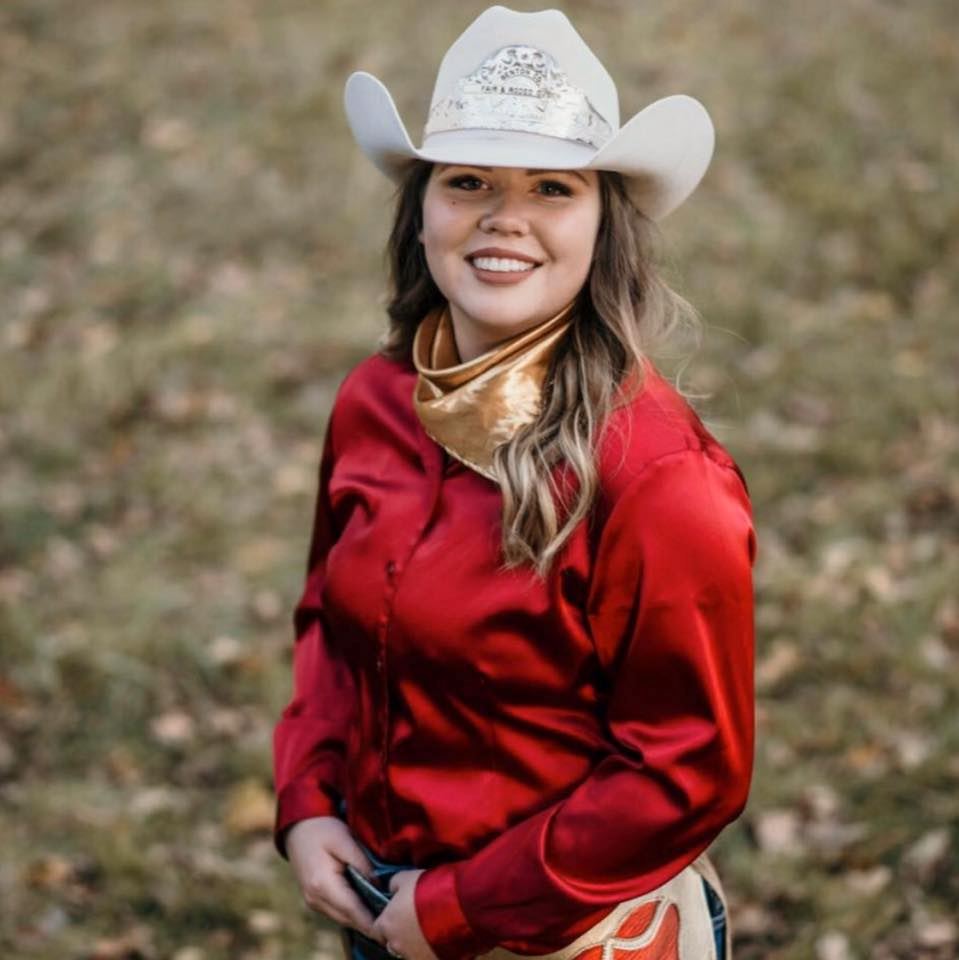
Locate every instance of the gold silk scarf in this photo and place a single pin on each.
(471, 408)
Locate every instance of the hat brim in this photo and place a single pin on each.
(663, 151)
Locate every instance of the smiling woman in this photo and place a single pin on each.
(522, 704)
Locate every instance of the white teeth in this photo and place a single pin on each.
(502, 265)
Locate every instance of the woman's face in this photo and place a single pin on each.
(507, 247)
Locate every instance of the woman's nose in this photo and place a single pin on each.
(505, 214)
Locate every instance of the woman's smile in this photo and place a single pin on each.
(498, 265)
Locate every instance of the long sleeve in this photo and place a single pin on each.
(309, 741)
(670, 610)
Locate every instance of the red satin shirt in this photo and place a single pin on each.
(544, 749)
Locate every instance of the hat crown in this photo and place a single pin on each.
(520, 89)
(546, 30)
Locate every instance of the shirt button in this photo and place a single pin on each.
(390, 567)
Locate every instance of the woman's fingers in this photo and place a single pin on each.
(345, 848)
(343, 910)
(345, 901)
(329, 892)
(319, 850)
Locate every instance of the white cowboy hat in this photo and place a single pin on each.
(524, 90)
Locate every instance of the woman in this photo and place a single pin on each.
(523, 666)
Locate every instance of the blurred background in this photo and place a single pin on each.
(190, 261)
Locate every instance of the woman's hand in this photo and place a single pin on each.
(318, 849)
(397, 926)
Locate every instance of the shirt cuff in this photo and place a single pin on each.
(300, 800)
(441, 916)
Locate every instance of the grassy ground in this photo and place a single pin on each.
(190, 259)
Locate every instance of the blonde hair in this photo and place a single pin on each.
(623, 309)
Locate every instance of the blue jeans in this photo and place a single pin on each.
(717, 913)
(362, 948)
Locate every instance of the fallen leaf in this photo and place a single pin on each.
(777, 831)
(225, 650)
(937, 934)
(189, 953)
(263, 922)
(50, 872)
(782, 659)
(135, 944)
(868, 883)
(173, 728)
(833, 945)
(250, 808)
(267, 605)
(928, 853)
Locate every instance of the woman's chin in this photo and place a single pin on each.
(502, 307)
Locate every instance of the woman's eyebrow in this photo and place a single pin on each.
(574, 173)
(529, 173)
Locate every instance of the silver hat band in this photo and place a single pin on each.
(520, 88)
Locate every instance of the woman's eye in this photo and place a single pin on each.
(465, 181)
(556, 189)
